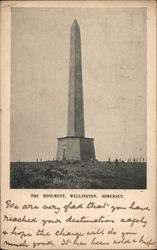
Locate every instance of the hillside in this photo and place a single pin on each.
(78, 175)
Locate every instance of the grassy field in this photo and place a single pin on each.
(78, 175)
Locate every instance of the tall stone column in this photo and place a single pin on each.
(75, 99)
(75, 146)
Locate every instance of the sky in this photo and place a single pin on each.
(113, 42)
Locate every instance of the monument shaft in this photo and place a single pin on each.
(75, 100)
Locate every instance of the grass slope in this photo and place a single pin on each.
(78, 175)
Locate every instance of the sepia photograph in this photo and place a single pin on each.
(78, 112)
(78, 125)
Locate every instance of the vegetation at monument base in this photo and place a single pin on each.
(84, 175)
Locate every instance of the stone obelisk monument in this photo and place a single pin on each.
(75, 146)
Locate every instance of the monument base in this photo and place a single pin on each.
(75, 148)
